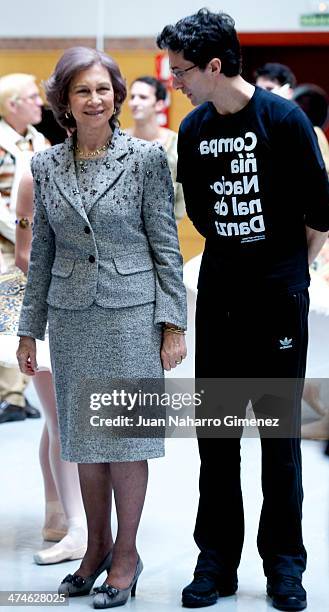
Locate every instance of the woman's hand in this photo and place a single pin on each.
(27, 356)
(173, 349)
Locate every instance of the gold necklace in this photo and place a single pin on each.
(92, 153)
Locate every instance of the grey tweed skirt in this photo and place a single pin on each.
(101, 344)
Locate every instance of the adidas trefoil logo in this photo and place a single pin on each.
(286, 343)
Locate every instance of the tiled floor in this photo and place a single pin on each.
(165, 537)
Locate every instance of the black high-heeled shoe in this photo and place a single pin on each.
(108, 596)
(75, 585)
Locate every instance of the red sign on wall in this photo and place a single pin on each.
(162, 73)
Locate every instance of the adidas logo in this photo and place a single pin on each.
(286, 343)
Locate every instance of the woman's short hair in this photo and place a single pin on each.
(73, 61)
(203, 36)
(314, 102)
(159, 88)
(12, 87)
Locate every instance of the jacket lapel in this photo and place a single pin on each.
(111, 169)
(65, 176)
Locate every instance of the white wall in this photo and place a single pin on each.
(124, 18)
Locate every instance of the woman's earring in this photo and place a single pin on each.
(68, 115)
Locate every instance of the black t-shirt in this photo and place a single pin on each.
(252, 181)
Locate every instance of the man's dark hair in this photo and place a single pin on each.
(277, 72)
(203, 36)
(160, 90)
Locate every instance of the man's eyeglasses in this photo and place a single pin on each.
(179, 74)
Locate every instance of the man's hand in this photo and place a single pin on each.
(173, 349)
(27, 356)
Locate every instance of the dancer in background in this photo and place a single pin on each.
(279, 79)
(147, 98)
(314, 102)
(64, 519)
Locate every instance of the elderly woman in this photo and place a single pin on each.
(106, 273)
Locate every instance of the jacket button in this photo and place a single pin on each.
(87, 229)
(91, 259)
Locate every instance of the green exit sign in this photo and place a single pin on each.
(315, 19)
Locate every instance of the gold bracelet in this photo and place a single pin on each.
(23, 222)
(174, 330)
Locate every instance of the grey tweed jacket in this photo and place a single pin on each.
(125, 252)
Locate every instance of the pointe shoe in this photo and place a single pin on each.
(55, 527)
(108, 596)
(75, 585)
(317, 430)
(57, 554)
(312, 396)
(72, 546)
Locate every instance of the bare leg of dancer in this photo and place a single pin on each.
(55, 526)
(65, 475)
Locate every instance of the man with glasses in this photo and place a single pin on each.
(264, 211)
(20, 109)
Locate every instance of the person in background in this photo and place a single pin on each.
(313, 100)
(256, 188)
(147, 98)
(277, 78)
(65, 521)
(50, 128)
(20, 109)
